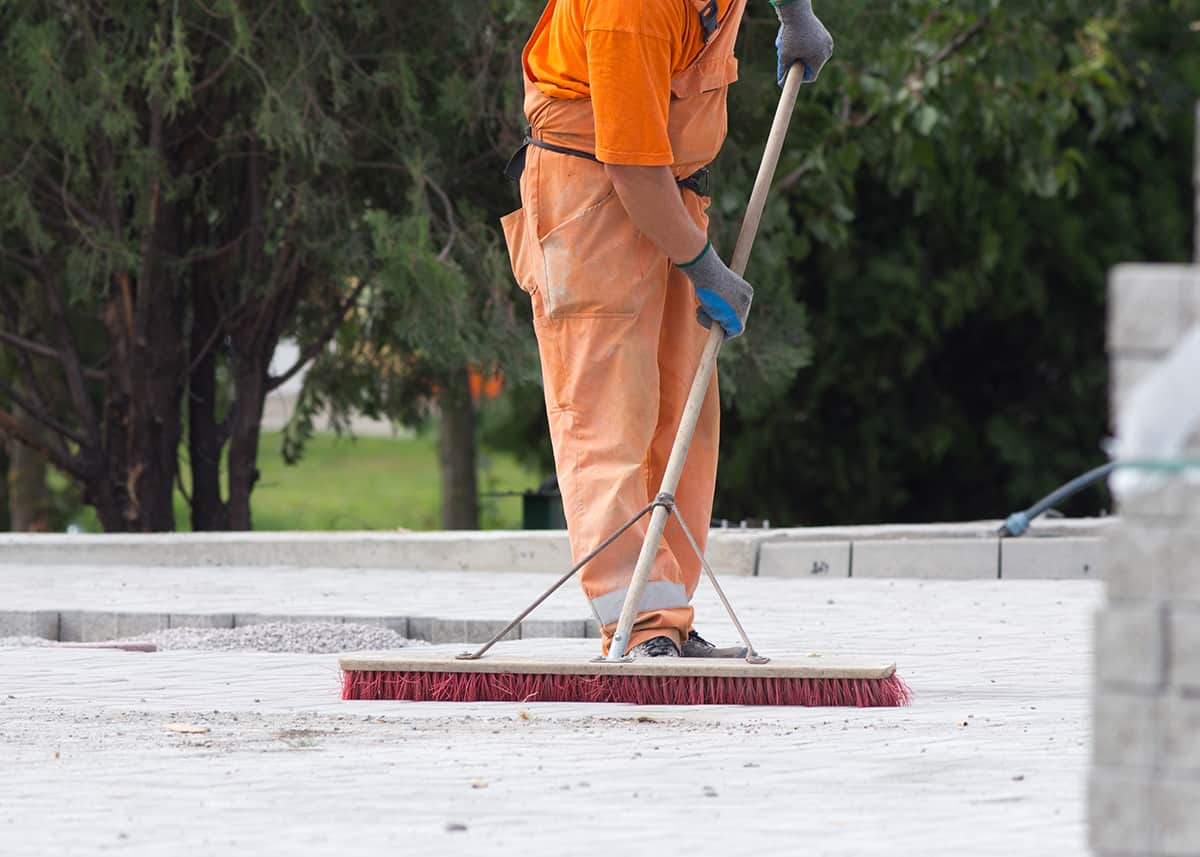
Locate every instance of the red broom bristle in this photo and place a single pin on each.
(639, 690)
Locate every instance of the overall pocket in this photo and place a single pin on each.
(523, 253)
(595, 263)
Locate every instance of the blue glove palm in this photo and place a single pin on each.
(724, 296)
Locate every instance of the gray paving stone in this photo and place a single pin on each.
(1176, 498)
(909, 781)
(29, 623)
(437, 630)
(734, 552)
(88, 626)
(1148, 307)
(572, 628)
(1055, 558)
(1126, 373)
(949, 559)
(482, 630)
(1179, 748)
(399, 624)
(200, 620)
(1129, 646)
(240, 620)
(804, 559)
(1177, 817)
(1184, 639)
(592, 629)
(1138, 560)
(1119, 812)
(1126, 729)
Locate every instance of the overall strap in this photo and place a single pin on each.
(709, 16)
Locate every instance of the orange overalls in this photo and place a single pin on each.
(618, 338)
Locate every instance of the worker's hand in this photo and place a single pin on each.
(724, 296)
(802, 38)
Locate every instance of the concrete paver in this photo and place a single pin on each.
(990, 759)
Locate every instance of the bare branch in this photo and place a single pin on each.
(72, 365)
(39, 413)
(39, 349)
(65, 462)
(318, 345)
(451, 223)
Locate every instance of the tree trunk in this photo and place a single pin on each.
(457, 454)
(209, 511)
(28, 494)
(245, 423)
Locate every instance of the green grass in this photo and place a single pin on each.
(368, 483)
(372, 483)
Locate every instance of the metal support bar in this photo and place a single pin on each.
(752, 656)
(476, 655)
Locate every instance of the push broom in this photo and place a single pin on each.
(754, 680)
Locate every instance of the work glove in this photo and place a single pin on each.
(724, 296)
(802, 38)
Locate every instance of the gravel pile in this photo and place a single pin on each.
(313, 638)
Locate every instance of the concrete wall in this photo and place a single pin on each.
(1145, 784)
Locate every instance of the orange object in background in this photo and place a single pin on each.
(485, 387)
(618, 337)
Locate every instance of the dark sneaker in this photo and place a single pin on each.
(697, 647)
(655, 647)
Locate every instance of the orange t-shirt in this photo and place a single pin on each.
(623, 55)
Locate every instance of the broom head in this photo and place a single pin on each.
(437, 677)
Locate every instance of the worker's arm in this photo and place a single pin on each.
(653, 202)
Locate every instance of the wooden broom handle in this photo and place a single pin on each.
(708, 361)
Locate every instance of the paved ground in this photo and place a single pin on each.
(990, 759)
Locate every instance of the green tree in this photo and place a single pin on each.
(184, 184)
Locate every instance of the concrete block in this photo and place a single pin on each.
(1119, 812)
(1154, 558)
(804, 559)
(733, 553)
(200, 620)
(1148, 309)
(1138, 561)
(1058, 558)
(951, 559)
(592, 630)
(93, 626)
(437, 630)
(482, 630)
(1184, 644)
(1178, 745)
(535, 628)
(1126, 729)
(1176, 816)
(1130, 647)
(399, 624)
(70, 626)
(240, 620)
(1175, 498)
(1126, 372)
(29, 623)
(456, 551)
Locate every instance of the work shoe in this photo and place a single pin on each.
(655, 647)
(696, 646)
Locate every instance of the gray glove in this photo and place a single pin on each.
(724, 296)
(802, 38)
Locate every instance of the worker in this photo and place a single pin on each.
(626, 103)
